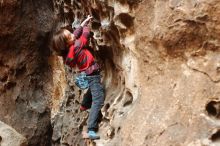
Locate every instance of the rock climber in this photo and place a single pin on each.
(74, 48)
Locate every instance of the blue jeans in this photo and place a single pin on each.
(94, 98)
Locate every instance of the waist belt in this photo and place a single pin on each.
(92, 68)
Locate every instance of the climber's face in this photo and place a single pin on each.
(69, 37)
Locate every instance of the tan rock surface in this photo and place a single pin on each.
(10, 137)
(160, 68)
(161, 71)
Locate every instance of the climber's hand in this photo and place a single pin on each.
(89, 17)
(86, 21)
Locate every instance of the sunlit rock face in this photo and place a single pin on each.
(160, 69)
(113, 42)
(178, 43)
(24, 72)
(179, 73)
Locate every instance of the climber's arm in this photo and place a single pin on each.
(86, 21)
(78, 32)
(86, 31)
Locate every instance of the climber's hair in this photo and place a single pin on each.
(59, 42)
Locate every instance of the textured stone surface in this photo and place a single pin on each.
(160, 64)
(178, 75)
(25, 77)
(161, 70)
(10, 137)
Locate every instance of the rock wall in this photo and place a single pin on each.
(179, 98)
(25, 76)
(113, 29)
(161, 62)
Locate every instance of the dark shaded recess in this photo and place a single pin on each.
(96, 25)
(213, 108)
(215, 136)
(10, 85)
(70, 100)
(46, 141)
(79, 15)
(20, 71)
(126, 19)
(61, 15)
(4, 78)
(19, 100)
(68, 2)
(123, 1)
(210, 46)
(128, 98)
(70, 16)
(76, 102)
(131, 3)
(100, 116)
(107, 106)
(1, 63)
(203, 18)
(118, 129)
(4, 45)
(115, 35)
(105, 52)
(95, 14)
(42, 42)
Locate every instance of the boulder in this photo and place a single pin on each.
(10, 137)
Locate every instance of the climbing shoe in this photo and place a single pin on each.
(93, 135)
(83, 108)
